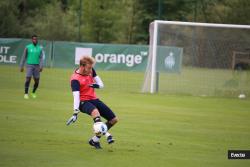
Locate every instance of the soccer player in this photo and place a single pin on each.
(33, 57)
(84, 81)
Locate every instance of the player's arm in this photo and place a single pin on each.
(23, 59)
(75, 86)
(41, 59)
(98, 81)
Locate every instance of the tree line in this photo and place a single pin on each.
(110, 21)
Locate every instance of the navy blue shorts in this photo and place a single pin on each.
(89, 105)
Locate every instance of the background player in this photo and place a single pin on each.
(33, 57)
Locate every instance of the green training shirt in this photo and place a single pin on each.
(33, 53)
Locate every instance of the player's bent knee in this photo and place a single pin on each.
(95, 113)
(114, 121)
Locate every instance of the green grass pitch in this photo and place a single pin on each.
(153, 131)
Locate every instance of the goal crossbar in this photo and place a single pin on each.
(202, 24)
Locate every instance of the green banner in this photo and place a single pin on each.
(11, 50)
(107, 56)
(169, 59)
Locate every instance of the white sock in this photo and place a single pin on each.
(96, 139)
(107, 134)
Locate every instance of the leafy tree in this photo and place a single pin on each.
(129, 22)
(238, 12)
(99, 21)
(9, 23)
(51, 23)
(110, 21)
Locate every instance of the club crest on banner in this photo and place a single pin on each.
(170, 61)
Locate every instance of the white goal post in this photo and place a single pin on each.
(203, 43)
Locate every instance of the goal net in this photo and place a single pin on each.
(198, 59)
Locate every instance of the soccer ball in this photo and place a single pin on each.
(100, 128)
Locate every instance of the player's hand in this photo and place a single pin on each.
(41, 69)
(21, 69)
(72, 119)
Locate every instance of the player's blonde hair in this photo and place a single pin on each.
(87, 60)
